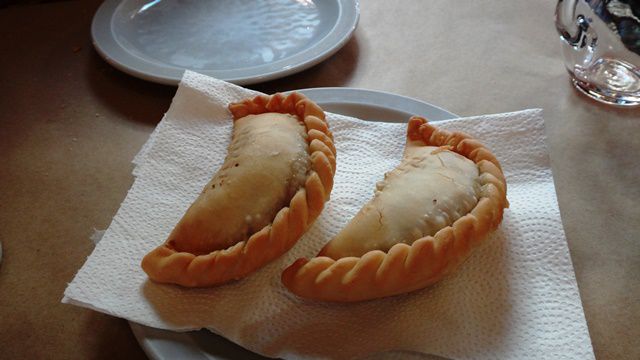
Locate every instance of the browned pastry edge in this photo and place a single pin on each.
(405, 268)
(166, 265)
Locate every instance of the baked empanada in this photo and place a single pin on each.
(272, 186)
(446, 195)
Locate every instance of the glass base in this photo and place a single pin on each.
(606, 97)
(610, 81)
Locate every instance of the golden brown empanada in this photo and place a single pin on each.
(272, 186)
(447, 194)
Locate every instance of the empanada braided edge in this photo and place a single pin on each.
(166, 265)
(404, 267)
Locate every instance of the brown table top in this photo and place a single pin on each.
(70, 125)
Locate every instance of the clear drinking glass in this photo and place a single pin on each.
(601, 47)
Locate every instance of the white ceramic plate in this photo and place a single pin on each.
(240, 41)
(364, 104)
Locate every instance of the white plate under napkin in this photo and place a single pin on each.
(516, 297)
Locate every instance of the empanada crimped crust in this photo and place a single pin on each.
(407, 267)
(167, 264)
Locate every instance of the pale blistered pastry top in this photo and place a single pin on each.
(428, 191)
(266, 164)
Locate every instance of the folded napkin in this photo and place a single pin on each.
(516, 297)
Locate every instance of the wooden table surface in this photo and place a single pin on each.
(70, 125)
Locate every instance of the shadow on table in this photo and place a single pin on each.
(335, 71)
(108, 337)
(146, 102)
(134, 99)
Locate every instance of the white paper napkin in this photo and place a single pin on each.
(516, 297)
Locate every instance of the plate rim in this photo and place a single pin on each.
(116, 55)
(344, 95)
(377, 98)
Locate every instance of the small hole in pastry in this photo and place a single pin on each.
(237, 165)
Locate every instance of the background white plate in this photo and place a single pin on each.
(364, 104)
(240, 41)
